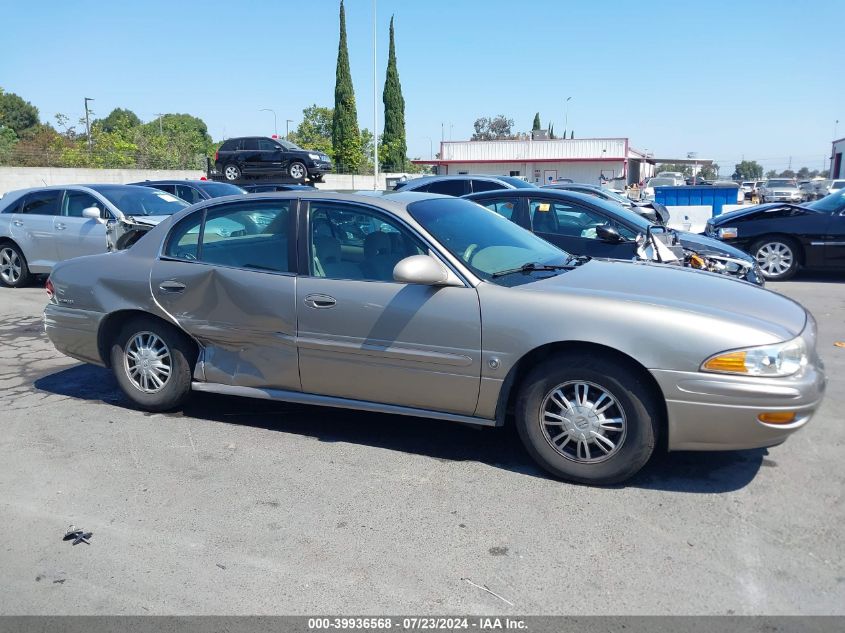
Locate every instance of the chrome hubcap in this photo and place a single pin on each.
(583, 422)
(297, 171)
(775, 258)
(10, 266)
(147, 362)
(231, 172)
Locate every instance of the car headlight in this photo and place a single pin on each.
(314, 156)
(782, 359)
(727, 233)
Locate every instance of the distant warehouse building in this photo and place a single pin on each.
(837, 169)
(589, 160)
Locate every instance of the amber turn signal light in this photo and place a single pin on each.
(777, 417)
(732, 362)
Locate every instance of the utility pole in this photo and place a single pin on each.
(287, 128)
(88, 123)
(160, 128)
(566, 115)
(375, 103)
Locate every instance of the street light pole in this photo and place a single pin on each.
(566, 115)
(287, 128)
(87, 123)
(275, 126)
(160, 128)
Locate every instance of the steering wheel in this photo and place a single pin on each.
(469, 252)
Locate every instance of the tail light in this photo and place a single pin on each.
(49, 288)
(216, 155)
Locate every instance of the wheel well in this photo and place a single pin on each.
(517, 374)
(9, 240)
(783, 236)
(111, 324)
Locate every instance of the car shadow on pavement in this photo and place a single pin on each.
(689, 472)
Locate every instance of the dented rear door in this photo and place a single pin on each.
(226, 280)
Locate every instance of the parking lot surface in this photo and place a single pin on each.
(236, 506)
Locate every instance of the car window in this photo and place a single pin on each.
(486, 185)
(833, 203)
(267, 146)
(549, 216)
(42, 203)
(350, 242)
(505, 207)
(188, 194)
(249, 144)
(246, 235)
(76, 201)
(163, 187)
(447, 187)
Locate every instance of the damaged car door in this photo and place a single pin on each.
(225, 276)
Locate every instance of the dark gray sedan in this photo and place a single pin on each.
(419, 304)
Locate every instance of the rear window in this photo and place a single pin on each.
(230, 145)
(42, 203)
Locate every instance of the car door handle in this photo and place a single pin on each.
(320, 301)
(17, 223)
(60, 226)
(172, 286)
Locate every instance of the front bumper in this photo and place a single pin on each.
(789, 198)
(318, 168)
(709, 411)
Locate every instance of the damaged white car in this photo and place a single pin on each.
(43, 226)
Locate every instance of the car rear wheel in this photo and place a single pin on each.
(232, 172)
(777, 256)
(587, 418)
(297, 170)
(153, 363)
(14, 272)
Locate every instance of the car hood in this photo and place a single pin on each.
(730, 216)
(683, 290)
(148, 220)
(704, 245)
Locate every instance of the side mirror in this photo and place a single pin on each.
(92, 213)
(420, 269)
(607, 233)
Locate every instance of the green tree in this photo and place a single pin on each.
(395, 145)
(119, 119)
(686, 170)
(771, 174)
(346, 137)
(803, 173)
(175, 141)
(8, 140)
(18, 115)
(497, 128)
(536, 126)
(571, 134)
(315, 129)
(709, 172)
(749, 170)
(787, 173)
(552, 131)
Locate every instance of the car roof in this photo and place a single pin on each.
(177, 181)
(563, 194)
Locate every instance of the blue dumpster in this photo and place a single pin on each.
(688, 196)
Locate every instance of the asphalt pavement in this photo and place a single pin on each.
(235, 506)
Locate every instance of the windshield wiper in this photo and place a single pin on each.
(531, 267)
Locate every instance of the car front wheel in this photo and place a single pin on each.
(231, 172)
(297, 171)
(152, 362)
(14, 273)
(587, 418)
(777, 256)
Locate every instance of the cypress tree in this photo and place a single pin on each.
(346, 137)
(393, 141)
(536, 125)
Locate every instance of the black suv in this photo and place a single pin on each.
(262, 156)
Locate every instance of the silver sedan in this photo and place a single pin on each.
(423, 305)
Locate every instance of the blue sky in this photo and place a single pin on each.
(760, 80)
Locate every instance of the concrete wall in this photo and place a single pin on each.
(12, 178)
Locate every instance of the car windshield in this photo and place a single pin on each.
(484, 241)
(661, 182)
(140, 200)
(837, 184)
(781, 183)
(832, 203)
(289, 145)
(219, 189)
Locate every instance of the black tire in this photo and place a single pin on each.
(773, 271)
(298, 171)
(177, 386)
(232, 172)
(632, 397)
(14, 271)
